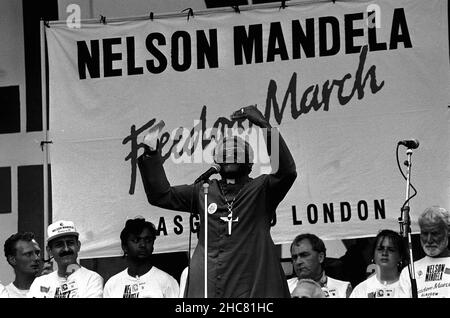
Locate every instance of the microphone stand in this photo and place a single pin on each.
(405, 225)
(205, 191)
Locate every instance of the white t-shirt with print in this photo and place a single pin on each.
(83, 283)
(432, 278)
(14, 292)
(373, 288)
(153, 284)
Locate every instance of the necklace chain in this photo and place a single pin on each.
(230, 205)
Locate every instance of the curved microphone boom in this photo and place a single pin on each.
(208, 173)
(409, 143)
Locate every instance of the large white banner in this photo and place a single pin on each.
(342, 85)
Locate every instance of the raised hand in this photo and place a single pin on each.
(152, 137)
(253, 114)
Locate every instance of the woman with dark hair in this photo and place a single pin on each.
(389, 255)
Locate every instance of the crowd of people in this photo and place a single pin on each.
(241, 255)
(34, 278)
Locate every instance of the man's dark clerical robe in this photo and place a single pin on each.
(245, 263)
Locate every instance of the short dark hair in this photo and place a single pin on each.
(317, 244)
(398, 242)
(136, 226)
(10, 243)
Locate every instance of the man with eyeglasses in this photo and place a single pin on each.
(70, 280)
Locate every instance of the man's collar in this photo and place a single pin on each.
(323, 279)
(230, 181)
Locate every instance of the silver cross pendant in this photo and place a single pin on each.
(229, 220)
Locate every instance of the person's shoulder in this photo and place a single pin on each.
(116, 277)
(427, 260)
(358, 291)
(424, 259)
(15, 292)
(261, 179)
(371, 278)
(43, 282)
(292, 280)
(45, 277)
(87, 272)
(159, 272)
(10, 287)
(337, 281)
(368, 281)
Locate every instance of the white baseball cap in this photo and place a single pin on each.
(61, 228)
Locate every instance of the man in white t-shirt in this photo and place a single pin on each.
(432, 272)
(140, 279)
(22, 252)
(308, 254)
(70, 280)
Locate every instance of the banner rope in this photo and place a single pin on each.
(197, 13)
(189, 11)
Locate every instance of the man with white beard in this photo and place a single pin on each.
(432, 272)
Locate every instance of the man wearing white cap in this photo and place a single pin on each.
(242, 259)
(70, 280)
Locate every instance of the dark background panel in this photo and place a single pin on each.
(30, 194)
(5, 190)
(9, 109)
(33, 11)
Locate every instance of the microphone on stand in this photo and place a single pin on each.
(214, 169)
(409, 143)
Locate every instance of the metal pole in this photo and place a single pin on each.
(44, 143)
(205, 191)
(405, 228)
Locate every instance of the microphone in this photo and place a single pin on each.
(409, 143)
(214, 169)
